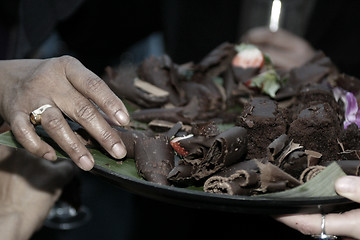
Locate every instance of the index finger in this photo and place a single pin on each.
(94, 88)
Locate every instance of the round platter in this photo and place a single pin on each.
(242, 204)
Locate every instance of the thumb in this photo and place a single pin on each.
(349, 187)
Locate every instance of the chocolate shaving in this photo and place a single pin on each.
(273, 179)
(295, 163)
(162, 72)
(310, 172)
(181, 174)
(289, 149)
(238, 179)
(313, 157)
(277, 146)
(229, 147)
(154, 159)
(130, 137)
(122, 83)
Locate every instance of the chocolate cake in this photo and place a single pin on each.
(264, 121)
(317, 128)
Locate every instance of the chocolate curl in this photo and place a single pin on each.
(288, 149)
(229, 147)
(273, 179)
(130, 137)
(313, 157)
(310, 172)
(238, 179)
(315, 71)
(295, 163)
(217, 61)
(197, 147)
(288, 156)
(122, 83)
(154, 159)
(209, 96)
(186, 114)
(277, 146)
(161, 72)
(181, 174)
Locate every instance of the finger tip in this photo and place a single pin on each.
(86, 163)
(51, 156)
(119, 151)
(122, 117)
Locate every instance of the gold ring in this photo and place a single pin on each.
(35, 116)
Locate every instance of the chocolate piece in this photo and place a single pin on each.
(295, 163)
(319, 123)
(121, 82)
(207, 155)
(273, 179)
(196, 146)
(318, 93)
(249, 178)
(181, 175)
(187, 114)
(130, 137)
(154, 158)
(264, 122)
(207, 129)
(217, 61)
(238, 179)
(310, 172)
(290, 156)
(161, 72)
(314, 71)
(229, 147)
(277, 146)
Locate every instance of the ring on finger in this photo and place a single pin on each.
(323, 235)
(35, 116)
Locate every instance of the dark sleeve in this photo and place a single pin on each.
(100, 31)
(37, 20)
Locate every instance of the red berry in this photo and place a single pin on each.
(248, 56)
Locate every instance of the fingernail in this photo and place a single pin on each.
(50, 156)
(86, 163)
(119, 150)
(345, 185)
(122, 118)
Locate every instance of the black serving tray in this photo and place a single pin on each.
(124, 175)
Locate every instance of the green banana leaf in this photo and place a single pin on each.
(125, 167)
(320, 186)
